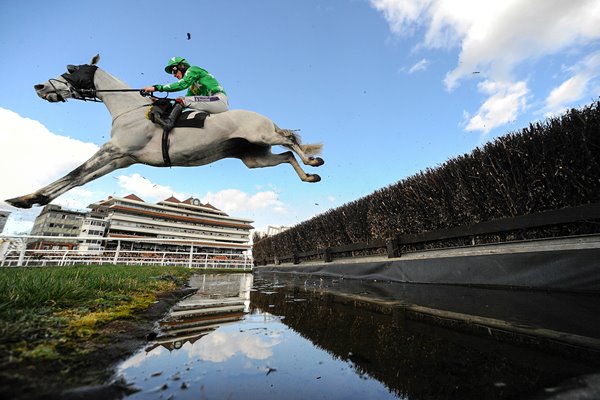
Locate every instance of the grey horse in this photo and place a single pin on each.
(240, 134)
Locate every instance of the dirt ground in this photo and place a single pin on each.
(89, 377)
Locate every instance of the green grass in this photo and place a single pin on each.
(42, 309)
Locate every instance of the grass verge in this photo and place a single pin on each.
(55, 322)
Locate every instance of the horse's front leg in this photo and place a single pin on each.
(268, 159)
(104, 161)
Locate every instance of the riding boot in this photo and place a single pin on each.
(169, 122)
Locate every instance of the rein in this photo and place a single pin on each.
(90, 94)
(128, 111)
(80, 81)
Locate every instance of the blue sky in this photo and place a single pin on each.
(390, 87)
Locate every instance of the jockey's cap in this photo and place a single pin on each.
(174, 61)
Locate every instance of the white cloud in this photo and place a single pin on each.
(496, 37)
(234, 200)
(420, 66)
(31, 157)
(148, 191)
(78, 199)
(576, 87)
(142, 357)
(402, 15)
(229, 200)
(20, 221)
(569, 91)
(502, 106)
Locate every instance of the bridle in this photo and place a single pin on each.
(83, 75)
(71, 90)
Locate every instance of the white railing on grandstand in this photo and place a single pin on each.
(14, 253)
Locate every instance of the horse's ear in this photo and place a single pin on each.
(72, 68)
(96, 59)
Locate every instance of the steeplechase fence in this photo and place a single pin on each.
(19, 251)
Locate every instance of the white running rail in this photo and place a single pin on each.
(14, 253)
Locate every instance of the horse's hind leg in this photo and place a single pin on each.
(105, 160)
(268, 159)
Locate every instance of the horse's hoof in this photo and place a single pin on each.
(18, 202)
(313, 178)
(28, 201)
(316, 161)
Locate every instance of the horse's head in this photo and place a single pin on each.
(77, 83)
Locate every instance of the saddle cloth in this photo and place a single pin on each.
(191, 119)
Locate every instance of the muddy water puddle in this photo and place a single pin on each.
(245, 337)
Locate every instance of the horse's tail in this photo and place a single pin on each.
(311, 149)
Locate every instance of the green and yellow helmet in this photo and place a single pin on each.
(175, 61)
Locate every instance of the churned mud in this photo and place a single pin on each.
(87, 375)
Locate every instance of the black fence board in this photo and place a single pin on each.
(588, 212)
(537, 220)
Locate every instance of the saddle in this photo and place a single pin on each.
(187, 119)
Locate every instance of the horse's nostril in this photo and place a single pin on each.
(39, 86)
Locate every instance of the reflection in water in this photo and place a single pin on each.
(221, 346)
(272, 339)
(220, 299)
(414, 359)
(202, 354)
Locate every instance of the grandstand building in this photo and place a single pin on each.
(168, 225)
(275, 229)
(93, 229)
(59, 223)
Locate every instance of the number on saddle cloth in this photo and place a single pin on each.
(187, 119)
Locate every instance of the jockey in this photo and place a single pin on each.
(204, 91)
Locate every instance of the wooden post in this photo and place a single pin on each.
(393, 247)
(327, 255)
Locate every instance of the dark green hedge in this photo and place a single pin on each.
(548, 165)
